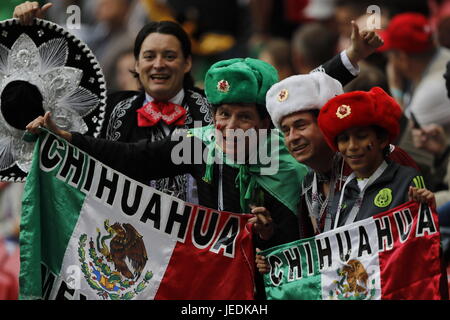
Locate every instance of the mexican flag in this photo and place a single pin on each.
(89, 232)
(393, 255)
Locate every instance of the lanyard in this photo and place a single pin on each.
(352, 215)
(220, 189)
(317, 211)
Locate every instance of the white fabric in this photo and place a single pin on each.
(304, 92)
(346, 62)
(430, 103)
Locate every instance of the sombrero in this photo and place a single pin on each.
(44, 68)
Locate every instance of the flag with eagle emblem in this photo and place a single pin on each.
(392, 255)
(89, 232)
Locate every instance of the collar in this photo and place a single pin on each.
(322, 177)
(390, 168)
(177, 99)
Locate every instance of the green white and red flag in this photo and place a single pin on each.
(392, 255)
(90, 232)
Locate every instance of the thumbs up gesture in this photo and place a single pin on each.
(27, 11)
(363, 44)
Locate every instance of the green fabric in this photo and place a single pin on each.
(41, 214)
(247, 81)
(310, 288)
(284, 185)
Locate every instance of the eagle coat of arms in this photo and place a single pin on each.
(115, 262)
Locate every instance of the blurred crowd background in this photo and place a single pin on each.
(293, 35)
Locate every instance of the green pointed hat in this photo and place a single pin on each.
(239, 80)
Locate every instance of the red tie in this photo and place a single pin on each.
(154, 111)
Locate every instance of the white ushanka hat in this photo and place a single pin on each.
(299, 93)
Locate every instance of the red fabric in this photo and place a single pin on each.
(153, 112)
(403, 158)
(210, 276)
(411, 270)
(448, 279)
(409, 32)
(439, 10)
(293, 10)
(359, 109)
(9, 273)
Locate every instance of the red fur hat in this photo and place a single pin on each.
(410, 32)
(359, 109)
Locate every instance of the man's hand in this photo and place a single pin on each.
(47, 122)
(431, 138)
(262, 222)
(363, 44)
(261, 263)
(27, 11)
(422, 195)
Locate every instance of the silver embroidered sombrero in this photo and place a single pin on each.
(44, 68)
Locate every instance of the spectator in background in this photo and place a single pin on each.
(107, 27)
(218, 30)
(10, 209)
(440, 20)
(433, 139)
(345, 11)
(312, 45)
(369, 77)
(415, 69)
(277, 52)
(9, 269)
(111, 34)
(123, 76)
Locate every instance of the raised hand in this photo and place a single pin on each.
(431, 138)
(27, 11)
(363, 44)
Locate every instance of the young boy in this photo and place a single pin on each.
(360, 125)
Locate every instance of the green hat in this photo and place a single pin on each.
(239, 81)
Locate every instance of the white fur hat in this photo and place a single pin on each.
(298, 93)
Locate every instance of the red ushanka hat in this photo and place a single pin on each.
(359, 109)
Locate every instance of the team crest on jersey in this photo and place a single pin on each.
(383, 198)
(115, 262)
(354, 283)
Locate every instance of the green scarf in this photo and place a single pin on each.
(284, 184)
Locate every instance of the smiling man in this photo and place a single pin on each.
(161, 65)
(167, 100)
(236, 88)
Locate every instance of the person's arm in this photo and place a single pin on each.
(344, 66)
(143, 160)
